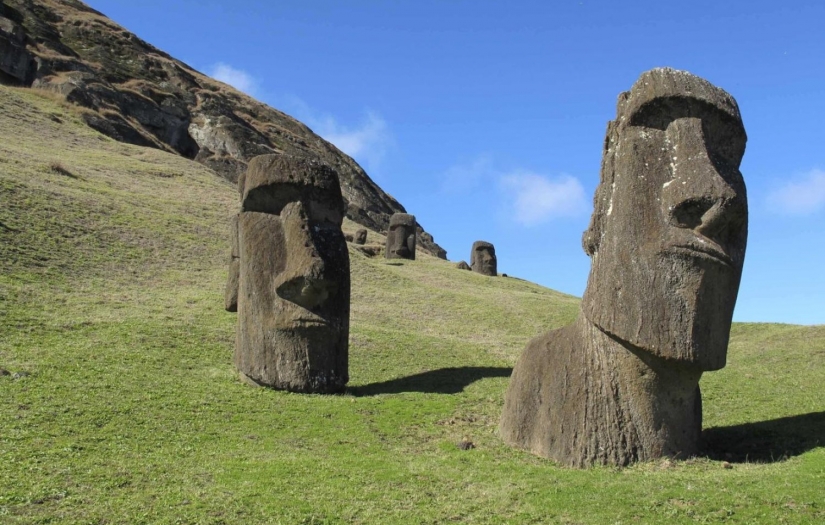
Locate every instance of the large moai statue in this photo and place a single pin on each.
(401, 237)
(667, 243)
(293, 298)
(483, 258)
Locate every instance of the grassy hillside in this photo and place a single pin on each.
(121, 405)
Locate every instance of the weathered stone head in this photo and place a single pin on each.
(361, 236)
(668, 232)
(667, 241)
(401, 237)
(294, 285)
(483, 258)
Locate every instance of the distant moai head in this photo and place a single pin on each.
(361, 236)
(668, 232)
(483, 258)
(294, 286)
(401, 237)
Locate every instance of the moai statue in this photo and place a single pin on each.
(294, 283)
(462, 265)
(483, 258)
(667, 243)
(361, 236)
(401, 237)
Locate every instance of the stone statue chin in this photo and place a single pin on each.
(667, 243)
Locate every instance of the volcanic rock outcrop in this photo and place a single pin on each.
(667, 242)
(293, 282)
(133, 92)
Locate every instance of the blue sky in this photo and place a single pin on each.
(486, 119)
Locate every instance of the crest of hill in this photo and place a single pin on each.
(135, 93)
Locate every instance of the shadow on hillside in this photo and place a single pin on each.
(441, 381)
(766, 441)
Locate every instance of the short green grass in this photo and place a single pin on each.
(125, 407)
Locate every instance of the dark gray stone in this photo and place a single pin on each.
(294, 283)
(483, 258)
(462, 265)
(17, 65)
(401, 237)
(667, 244)
(361, 236)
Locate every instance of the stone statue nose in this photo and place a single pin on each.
(699, 197)
(303, 279)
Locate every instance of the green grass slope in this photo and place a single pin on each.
(121, 405)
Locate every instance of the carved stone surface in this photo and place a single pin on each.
(667, 243)
(483, 258)
(294, 283)
(361, 236)
(401, 237)
(462, 265)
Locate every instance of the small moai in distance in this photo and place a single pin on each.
(293, 298)
(483, 258)
(621, 384)
(462, 265)
(360, 236)
(401, 237)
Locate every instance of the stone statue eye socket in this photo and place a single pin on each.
(726, 143)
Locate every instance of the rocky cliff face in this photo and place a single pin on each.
(136, 93)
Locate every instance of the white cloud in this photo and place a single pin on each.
(368, 142)
(237, 78)
(534, 199)
(464, 177)
(800, 197)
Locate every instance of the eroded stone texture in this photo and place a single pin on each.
(483, 258)
(231, 292)
(401, 237)
(667, 243)
(17, 65)
(361, 236)
(294, 283)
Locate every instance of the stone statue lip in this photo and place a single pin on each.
(702, 249)
(311, 321)
(304, 321)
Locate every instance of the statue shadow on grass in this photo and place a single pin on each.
(441, 381)
(766, 441)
